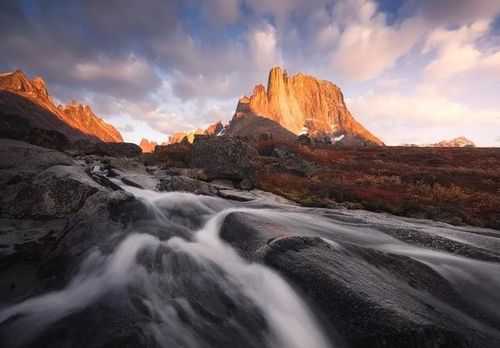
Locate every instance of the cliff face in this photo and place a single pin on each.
(301, 102)
(79, 121)
(83, 118)
(147, 145)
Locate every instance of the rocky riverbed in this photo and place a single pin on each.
(104, 248)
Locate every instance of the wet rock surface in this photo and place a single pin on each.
(370, 297)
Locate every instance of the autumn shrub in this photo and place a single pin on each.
(441, 193)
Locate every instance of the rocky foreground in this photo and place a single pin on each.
(371, 280)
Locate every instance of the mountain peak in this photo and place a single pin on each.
(80, 118)
(299, 101)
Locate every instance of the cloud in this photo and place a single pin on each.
(423, 117)
(361, 43)
(174, 65)
(126, 128)
(264, 48)
(456, 50)
(453, 12)
(226, 11)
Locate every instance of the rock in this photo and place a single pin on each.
(248, 233)
(237, 195)
(13, 127)
(246, 184)
(174, 155)
(258, 129)
(48, 138)
(300, 101)
(304, 139)
(224, 158)
(20, 157)
(368, 297)
(195, 173)
(85, 147)
(351, 285)
(214, 129)
(186, 184)
(290, 162)
(40, 189)
(55, 192)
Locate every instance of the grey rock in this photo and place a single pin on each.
(369, 297)
(87, 147)
(224, 158)
(55, 192)
(186, 184)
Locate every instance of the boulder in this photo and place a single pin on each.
(186, 184)
(289, 161)
(14, 127)
(174, 155)
(55, 192)
(86, 147)
(225, 158)
(22, 158)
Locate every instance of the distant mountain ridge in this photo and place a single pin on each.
(74, 120)
(212, 130)
(147, 145)
(456, 142)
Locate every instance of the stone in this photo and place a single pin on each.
(186, 184)
(86, 147)
(258, 129)
(173, 155)
(224, 158)
(368, 297)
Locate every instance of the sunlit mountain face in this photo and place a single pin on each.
(412, 72)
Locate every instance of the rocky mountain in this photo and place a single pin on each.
(84, 119)
(212, 130)
(29, 100)
(457, 142)
(304, 104)
(147, 145)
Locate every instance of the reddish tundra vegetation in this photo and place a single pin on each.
(455, 185)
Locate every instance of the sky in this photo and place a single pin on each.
(413, 71)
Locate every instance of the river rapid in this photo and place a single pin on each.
(171, 280)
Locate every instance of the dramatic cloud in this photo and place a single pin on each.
(456, 50)
(164, 65)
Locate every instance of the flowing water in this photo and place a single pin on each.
(186, 287)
